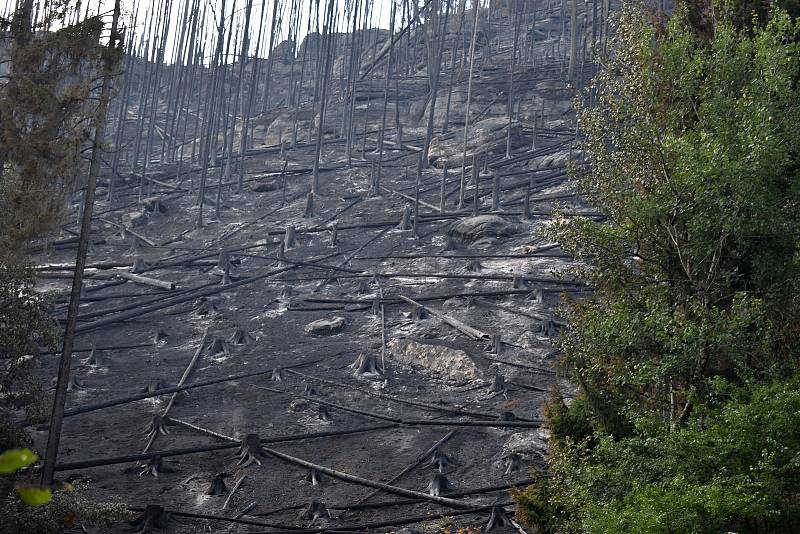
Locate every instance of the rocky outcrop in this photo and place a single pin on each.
(433, 359)
(484, 137)
(482, 231)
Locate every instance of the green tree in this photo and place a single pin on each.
(693, 153)
(45, 106)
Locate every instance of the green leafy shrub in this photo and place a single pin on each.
(25, 325)
(738, 470)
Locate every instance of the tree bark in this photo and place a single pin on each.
(57, 415)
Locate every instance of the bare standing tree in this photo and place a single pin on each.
(436, 40)
(573, 47)
(328, 38)
(476, 7)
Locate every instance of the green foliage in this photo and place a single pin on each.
(694, 155)
(25, 325)
(45, 104)
(571, 421)
(687, 354)
(69, 506)
(33, 495)
(738, 469)
(13, 460)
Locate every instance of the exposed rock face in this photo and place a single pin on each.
(484, 137)
(527, 443)
(135, 219)
(482, 231)
(558, 159)
(265, 184)
(440, 360)
(323, 327)
(154, 205)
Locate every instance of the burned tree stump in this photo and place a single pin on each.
(240, 336)
(309, 212)
(439, 484)
(217, 347)
(250, 451)
(334, 234)
(157, 425)
(157, 466)
(496, 345)
(439, 460)
(206, 306)
(548, 327)
(217, 486)
(278, 374)
(139, 265)
(451, 244)
(363, 288)
(154, 385)
(405, 219)
(537, 295)
(160, 338)
(366, 365)
(290, 239)
(418, 313)
(73, 384)
(474, 266)
(497, 519)
(93, 358)
(154, 517)
(323, 414)
(315, 477)
(281, 252)
(286, 293)
(498, 386)
(513, 462)
(314, 511)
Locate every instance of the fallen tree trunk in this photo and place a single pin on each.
(145, 281)
(474, 333)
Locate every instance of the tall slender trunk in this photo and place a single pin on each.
(271, 59)
(122, 113)
(208, 142)
(251, 96)
(57, 414)
(516, 21)
(573, 48)
(320, 130)
(224, 110)
(434, 67)
(238, 95)
(451, 82)
(382, 133)
(156, 93)
(477, 9)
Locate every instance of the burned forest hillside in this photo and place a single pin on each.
(316, 293)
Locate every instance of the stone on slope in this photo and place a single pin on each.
(439, 360)
(323, 327)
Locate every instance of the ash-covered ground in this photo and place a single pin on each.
(414, 355)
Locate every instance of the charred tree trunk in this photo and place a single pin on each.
(57, 415)
(477, 10)
(328, 38)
